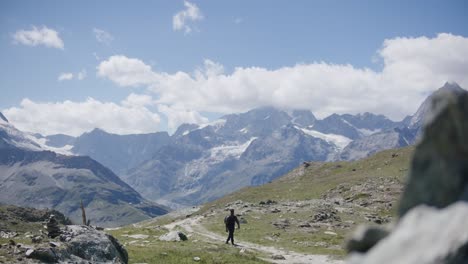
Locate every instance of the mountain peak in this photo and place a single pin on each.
(452, 86)
(2, 117)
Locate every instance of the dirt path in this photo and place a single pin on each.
(193, 226)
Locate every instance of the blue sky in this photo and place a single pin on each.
(262, 38)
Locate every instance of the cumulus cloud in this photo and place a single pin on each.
(39, 36)
(126, 71)
(103, 36)
(412, 68)
(75, 118)
(65, 76)
(182, 19)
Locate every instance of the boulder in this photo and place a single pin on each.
(434, 205)
(87, 243)
(425, 235)
(439, 169)
(170, 236)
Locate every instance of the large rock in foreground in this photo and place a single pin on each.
(439, 170)
(425, 235)
(434, 206)
(80, 244)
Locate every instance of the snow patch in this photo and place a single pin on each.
(244, 130)
(42, 142)
(230, 151)
(338, 140)
(368, 132)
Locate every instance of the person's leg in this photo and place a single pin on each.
(231, 234)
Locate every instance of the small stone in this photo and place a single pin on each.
(196, 259)
(36, 239)
(278, 257)
(54, 244)
(330, 233)
(29, 252)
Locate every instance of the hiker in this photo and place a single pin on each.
(230, 222)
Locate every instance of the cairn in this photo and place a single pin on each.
(53, 228)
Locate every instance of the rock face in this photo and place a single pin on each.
(434, 205)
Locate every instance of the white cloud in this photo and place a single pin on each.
(103, 36)
(177, 115)
(181, 20)
(75, 118)
(39, 36)
(65, 76)
(81, 75)
(138, 100)
(126, 71)
(412, 68)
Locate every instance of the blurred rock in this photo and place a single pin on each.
(425, 235)
(439, 170)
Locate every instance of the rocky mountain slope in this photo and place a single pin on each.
(31, 176)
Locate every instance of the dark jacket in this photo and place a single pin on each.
(231, 221)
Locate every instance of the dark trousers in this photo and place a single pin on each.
(231, 235)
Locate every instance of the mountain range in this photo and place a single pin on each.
(200, 163)
(32, 176)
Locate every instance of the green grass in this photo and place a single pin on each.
(320, 177)
(155, 251)
(316, 180)
(260, 230)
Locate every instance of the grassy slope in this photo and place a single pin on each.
(320, 177)
(305, 184)
(302, 184)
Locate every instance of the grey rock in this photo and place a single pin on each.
(278, 257)
(282, 223)
(364, 238)
(44, 255)
(425, 235)
(36, 239)
(439, 169)
(170, 236)
(89, 244)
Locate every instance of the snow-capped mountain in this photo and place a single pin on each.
(202, 162)
(32, 176)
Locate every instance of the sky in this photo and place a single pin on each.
(144, 66)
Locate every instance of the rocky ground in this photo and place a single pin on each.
(28, 236)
